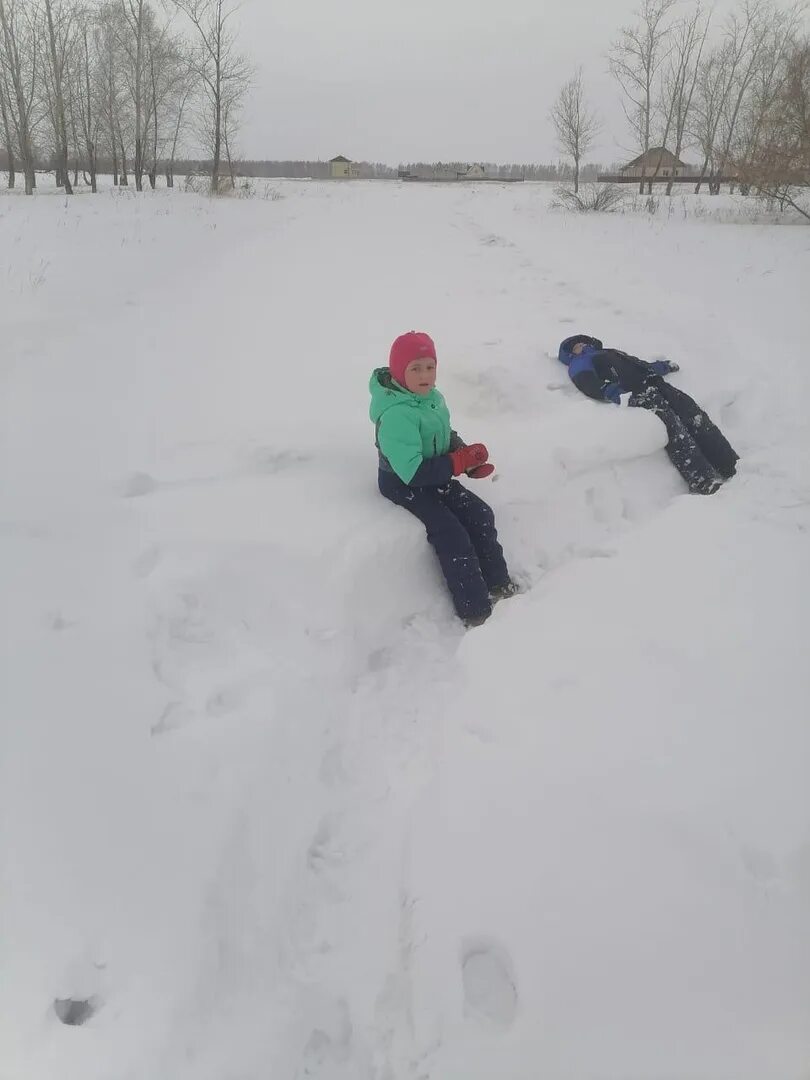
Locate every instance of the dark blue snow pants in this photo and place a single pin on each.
(697, 448)
(461, 529)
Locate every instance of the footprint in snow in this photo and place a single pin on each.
(330, 1043)
(224, 701)
(138, 484)
(333, 770)
(492, 240)
(74, 1012)
(760, 865)
(488, 980)
(58, 622)
(173, 717)
(146, 562)
(269, 460)
(325, 849)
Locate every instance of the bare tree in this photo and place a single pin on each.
(19, 63)
(89, 94)
(177, 109)
(230, 124)
(117, 61)
(575, 123)
(713, 79)
(225, 74)
(107, 49)
(135, 14)
(168, 79)
(635, 61)
(747, 35)
(688, 40)
(110, 76)
(59, 38)
(73, 116)
(231, 120)
(766, 87)
(5, 116)
(154, 52)
(780, 163)
(723, 80)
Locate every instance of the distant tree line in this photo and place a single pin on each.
(558, 171)
(314, 170)
(320, 170)
(119, 86)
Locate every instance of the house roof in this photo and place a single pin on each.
(656, 155)
(340, 157)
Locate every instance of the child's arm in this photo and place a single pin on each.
(661, 367)
(651, 367)
(590, 383)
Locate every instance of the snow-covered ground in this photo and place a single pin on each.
(264, 804)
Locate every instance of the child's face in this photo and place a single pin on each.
(420, 376)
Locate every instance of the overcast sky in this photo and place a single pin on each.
(425, 80)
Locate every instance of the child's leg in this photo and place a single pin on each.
(479, 521)
(707, 435)
(682, 449)
(451, 542)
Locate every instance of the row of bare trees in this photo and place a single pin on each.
(119, 83)
(735, 94)
(779, 163)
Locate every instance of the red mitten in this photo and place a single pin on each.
(481, 471)
(468, 457)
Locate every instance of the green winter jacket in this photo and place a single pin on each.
(410, 428)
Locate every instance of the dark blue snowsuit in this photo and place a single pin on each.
(696, 447)
(461, 529)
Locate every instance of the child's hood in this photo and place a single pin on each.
(565, 354)
(387, 393)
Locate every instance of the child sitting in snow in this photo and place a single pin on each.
(419, 456)
(696, 447)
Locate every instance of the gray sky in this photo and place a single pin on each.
(408, 80)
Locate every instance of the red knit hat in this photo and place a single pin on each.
(407, 348)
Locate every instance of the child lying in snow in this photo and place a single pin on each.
(419, 456)
(697, 449)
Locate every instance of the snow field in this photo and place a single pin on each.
(262, 799)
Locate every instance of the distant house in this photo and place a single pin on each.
(340, 168)
(472, 172)
(657, 161)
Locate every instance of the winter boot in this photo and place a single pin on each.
(476, 620)
(503, 592)
(706, 485)
(712, 442)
